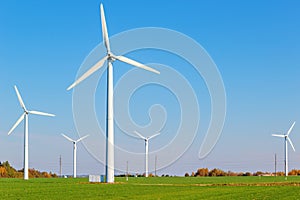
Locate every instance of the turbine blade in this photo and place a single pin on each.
(290, 141)
(136, 64)
(82, 138)
(276, 135)
(20, 99)
(289, 131)
(97, 66)
(68, 138)
(153, 136)
(40, 113)
(104, 29)
(140, 135)
(16, 124)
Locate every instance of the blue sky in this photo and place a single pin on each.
(255, 45)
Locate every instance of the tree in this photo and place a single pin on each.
(280, 174)
(53, 175)
(230, 173)
(11, 172)
(294, 172)
(8, 171)
(258, 173)
(186, 174)
(46, 175)
(217, 172)
(202, 172)
(247, 174)
(3, 172)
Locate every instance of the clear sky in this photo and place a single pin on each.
(255, 45)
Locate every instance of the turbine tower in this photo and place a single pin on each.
(24, 117)
(146, 149)
(286, 138)
(110, 58)
(74, 151)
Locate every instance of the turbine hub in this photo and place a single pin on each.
(110, 57)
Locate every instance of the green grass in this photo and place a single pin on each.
(154, 188)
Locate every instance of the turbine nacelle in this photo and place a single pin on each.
(111, 57)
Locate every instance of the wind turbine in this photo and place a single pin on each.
(74, 151)
(146, 148)
(110, 58)
(24, 117)
(286, 138)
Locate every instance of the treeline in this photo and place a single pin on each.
(7, 171)
(219, 172)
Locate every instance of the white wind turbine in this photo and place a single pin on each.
(110, 58)
(74, 151)
(24, 117)
(146, 139)
(286, 138)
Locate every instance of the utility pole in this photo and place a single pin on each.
(127, 171)
(60, 168)
(155, 165)
(275, 164)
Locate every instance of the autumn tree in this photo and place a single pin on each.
(230, 173)
(11, 172)
(294, 172)
(8, 171)
(217, 172)
(202, 172)
(3, 172)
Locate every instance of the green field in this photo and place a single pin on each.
(154, 188)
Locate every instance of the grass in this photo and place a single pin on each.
(154, 188)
